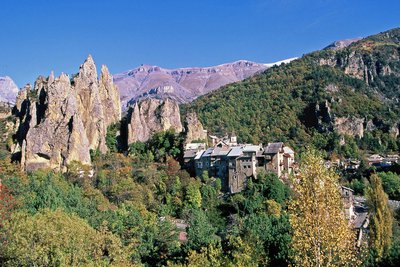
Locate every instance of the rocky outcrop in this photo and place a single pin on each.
(150, 116)
(354, 65)
(326, 121)
(342, 43)
(354, 57)
(61, 122)
(323, 116)
(351, 126)
(194, 129)
(394, 131)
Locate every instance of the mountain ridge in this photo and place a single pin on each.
(182, 84)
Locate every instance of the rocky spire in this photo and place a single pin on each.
(60, 122)
(89, 104)
(151, 116)
(109, 96)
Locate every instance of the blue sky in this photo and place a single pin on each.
(42, 35)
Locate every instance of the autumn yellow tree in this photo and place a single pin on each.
(381, 219)
(321, 234)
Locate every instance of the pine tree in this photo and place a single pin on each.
(381, 219)
(321, 234)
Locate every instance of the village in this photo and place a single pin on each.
(372, 160)
(235, 163)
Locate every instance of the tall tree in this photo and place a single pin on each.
(321, 234)
(381, 218)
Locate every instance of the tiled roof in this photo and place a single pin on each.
(235, 151)
(191, 153)
(198, 156)
(251, 148)
(220, 151)
(273, 148)
(208, 152)
(195, 146)
(288, 150)
(360, 219)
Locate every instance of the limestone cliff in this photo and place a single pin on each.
(150, 116)
(61, 121)
(194, 129)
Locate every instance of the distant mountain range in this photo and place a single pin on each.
(183, 84)
(8, 90)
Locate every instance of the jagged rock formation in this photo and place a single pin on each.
(61, 122)
(194, 129)
(150, 116)
(8, 90)
(98, 102)
(184, 84)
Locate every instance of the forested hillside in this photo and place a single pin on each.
(300, 102)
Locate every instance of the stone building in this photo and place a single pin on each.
(348, 202)
(234, 163)
(242, 165)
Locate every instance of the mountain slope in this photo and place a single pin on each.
(183, 84)
(348, 91)
(375, 59)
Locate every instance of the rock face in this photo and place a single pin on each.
(374, 59)
(184, 84)
(194, 129)
(61, 121)
(349, 126)
(8, 90)
(150, 116)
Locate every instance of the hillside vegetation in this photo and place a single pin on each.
(281, 103)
